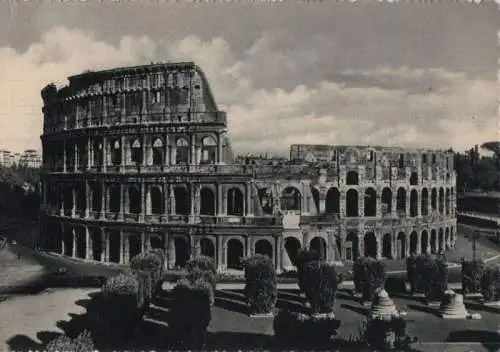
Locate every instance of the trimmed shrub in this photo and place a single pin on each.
(202, 268)
(472, 272)
(386, 333)
(411, 272)
(370, 275)
(303, 258)
(297, 330)
(82, 343)
(151, 262)
(430, 276)
(146, 289)
(191, 313)
(260, 284)
(490, 284)
(321, 286)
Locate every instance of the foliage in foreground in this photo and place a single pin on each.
(490, 284)
(369, 276)
(82, 343)
(472, 272)
(260, 284)
(428, 274)
(321, 283)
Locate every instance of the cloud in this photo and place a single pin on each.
(401, 105)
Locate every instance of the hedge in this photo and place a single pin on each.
(301, 331)
(384, 333)
(303, 258)
(321, 286)
(202, 267)
(472, 272)
(191, 313)
(260, 284)
(146, 289)
(82, 343)
(369, 276)
(151, 262)
(490, 284)
(428, 274)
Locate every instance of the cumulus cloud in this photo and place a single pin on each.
(401, 105)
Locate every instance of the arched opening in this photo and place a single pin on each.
(157, 241)
(414, 179)
(351, 247)
(447, 202)
(234, 254)
(266, 200)
(134, 244)
(434, 199)
(290, 199)
(413, 203)
(292, 246)
(234, 202)
(97, 246)
(116, 152)
(414, 243)
(136, 152)
(318, 245)
(114, 199)
(370, 202)
(447, 238)
(158, 152)
(264, 247)
(81, 201)
(68, 242)
(182, 151)
(352, 203)
(332, 203)
(441, 201)
(441, 243)
(81, 243)
(157, 201)
(424, 242)
(452, 236)
(425, 202)
(387, 246)
(68, 198)
(208, 150)
(433, 241)
(98, 154)
(182, 251)
(207, 248)
(96, 198)
(370, 242)
(182, 202)
(315, 195)
(401, 201)
(386, 201)
(352, 178)
(114, 246)
(135, 200)
(207, 202)
(401, 245)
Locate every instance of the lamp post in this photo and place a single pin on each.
(475, 235)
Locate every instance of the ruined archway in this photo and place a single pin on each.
(264, 247)
(207, 202)
(332, 202)
(207, 248)
(386, 201)
(234, 254)
(370, 242)
(157, 200)
(114, 246)
(158, 152)
(235, 202)
(182, 201)
(370, 202)
(401, 202)
(352, 203)
(387, 246)
(293, 247)
(318, 244)
(413, 203)
(414, 243)
(291, 199)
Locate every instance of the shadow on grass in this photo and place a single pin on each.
(238, 341)
(481, 307)
(424, 309)
(360, 310)
(25, 343)
(489, 339)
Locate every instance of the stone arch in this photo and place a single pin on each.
(452, 237)
(81, 242)
(370, 242)
(136, 151)
(264, 247)
(97, 245)
(370, 202)
(235, 202)
(207, 201)
(234, 254)
(318, 244)
(332, 202)
(291, 199)
(401, 201)
(414, 242)
(386, 201)
(158, 152)
(181, 151)
(413, 179)
(351, 246)
(182, 251)
(352, 203)
(424, 242)
(96, 197)
(441, 243)
(208, 150)
(315, 195)
(441, 201)
(433, 199)
(157, 241)
(433, 241)
(266, 200)
(134, 244)
(447, 201)
(387, 246)
(68, 197)
(114, 198)
(352, 178)
(413, 203)
(292, 247)
(401, 245)
(114, 246)
(157, 200)
(424, 209)
(182, 200)
(207, 247)
(447, 238)
(135, 200)
(116, 152)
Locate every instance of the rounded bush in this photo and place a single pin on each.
(82, 343)
(303, 258)
(260, 284)
(490, 284)
(472, 272)
(202, 262)
(369, 276)
(149, 261)
(383, 333)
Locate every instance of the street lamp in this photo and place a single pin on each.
(475, 235)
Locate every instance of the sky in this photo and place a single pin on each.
(408, 74)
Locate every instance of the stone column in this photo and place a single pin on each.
(144, 154)
(172, 199)
(419, 242)
(103, 199)
(122, 202)
(88, 199)
(124, 247)
(126, 199)
(165, 192)
(105, 246)
(123, 154)
(248, 199)
(143, 201)
(361, 201)
(166, 150)
(104, 153)
(279, 254)
(171, 251)
(249, 246)
(220, 200)
(73, 195)
(220, 139)
(64, 156)
(75, 243)
(378, 205)
(147, 210)
(306, 240)
(330, 249)
(378, 236)
(220, 254)
(89, 252)
(75, 164)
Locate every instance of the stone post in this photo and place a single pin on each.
(171, 251)
(89, 252)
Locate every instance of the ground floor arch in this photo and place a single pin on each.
(292, 247)
(370, 242)
(318, 244)
(433, 241)
(207, 247)
(387, 246)
(351, 246)
(114, 246)
(182, 251)
(97, 245)
(264, 247)
(424, 245)
(401, 245)
(414, 243)
(234, 254)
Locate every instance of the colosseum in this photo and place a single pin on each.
(139, 157)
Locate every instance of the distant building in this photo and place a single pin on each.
(30, 158)
(7, 158)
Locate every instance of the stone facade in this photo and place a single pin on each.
(138, 157)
